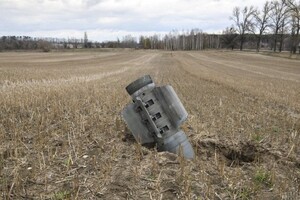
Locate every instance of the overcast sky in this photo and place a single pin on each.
(109, 19)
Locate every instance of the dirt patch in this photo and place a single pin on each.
(242, 152)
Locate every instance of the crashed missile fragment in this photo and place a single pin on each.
(155, 116)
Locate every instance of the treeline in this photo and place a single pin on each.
(193, 40)
(44, 44)
(23, 43)
(275, 27)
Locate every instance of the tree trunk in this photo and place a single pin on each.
(242, 43)
(258, 44)
(258, 41)
(281, 42)
(297, 40)
(275, 42)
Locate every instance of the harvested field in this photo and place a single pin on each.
(62, 137)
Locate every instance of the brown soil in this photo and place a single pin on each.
(62, 136)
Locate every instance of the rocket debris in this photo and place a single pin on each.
(155, 116)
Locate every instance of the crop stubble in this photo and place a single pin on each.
(62, 135)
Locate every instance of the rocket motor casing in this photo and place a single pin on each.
(155, 117)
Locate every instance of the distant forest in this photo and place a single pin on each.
(275, 27)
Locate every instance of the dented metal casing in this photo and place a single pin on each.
(155, 116)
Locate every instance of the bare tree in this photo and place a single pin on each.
(279, 15)
(44, 45)
(243, 21)
(129, 42)
(262, 20)
(85, 40)
(295, 23)
(284, 29)
(199, 39)
(229, 38)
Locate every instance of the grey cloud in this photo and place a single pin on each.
(90, 3)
